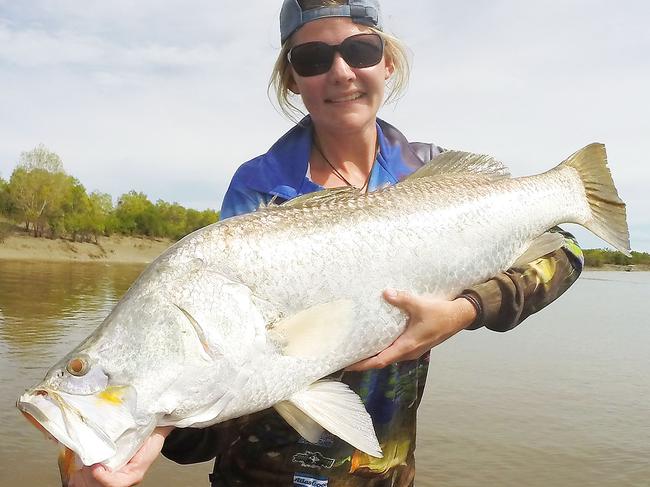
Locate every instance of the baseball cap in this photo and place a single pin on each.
(292, 17)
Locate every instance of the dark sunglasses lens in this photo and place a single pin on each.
(312, 58)
(358, 51)
(362, 51)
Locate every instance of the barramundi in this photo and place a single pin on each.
(257, 311)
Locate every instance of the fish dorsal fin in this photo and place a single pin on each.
(335, 407)
(315, 331)
(320, 197)
(542, 245)
(455, 162)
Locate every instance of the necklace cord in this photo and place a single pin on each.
(338, 174)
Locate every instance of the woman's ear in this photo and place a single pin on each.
(390, 68)
(293, 86)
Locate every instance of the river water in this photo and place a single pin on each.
(563, 400)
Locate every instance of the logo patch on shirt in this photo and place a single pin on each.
(306, 480)
(313, 459)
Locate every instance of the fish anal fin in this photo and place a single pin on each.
(462, 163)
(315, 331)
(542, 245)
(301, 422)
(338, 409)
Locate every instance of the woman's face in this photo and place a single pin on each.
(343, 99)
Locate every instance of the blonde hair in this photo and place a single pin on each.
(395, 52)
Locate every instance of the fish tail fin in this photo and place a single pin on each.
(608, 215)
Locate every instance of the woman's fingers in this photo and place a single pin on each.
(132, 473)
(401, 299)
(430, 322)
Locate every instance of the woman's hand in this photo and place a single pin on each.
(130, 474)
(430, 322)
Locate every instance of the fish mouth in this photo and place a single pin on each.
(74, 421)
(51, 413)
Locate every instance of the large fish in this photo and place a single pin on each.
(254, 311)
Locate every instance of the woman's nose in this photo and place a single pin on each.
(340, 70)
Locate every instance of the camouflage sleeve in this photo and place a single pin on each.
(191, 445)
(195, 445)
(510, 297)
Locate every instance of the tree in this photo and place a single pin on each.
(76, 209)
(37, 196)
(99, 214)
(37, 190)
(173, 217)
(4, 198)
(198, 219)
(134, 213)
(41, 158)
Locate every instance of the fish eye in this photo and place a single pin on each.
(77, 366)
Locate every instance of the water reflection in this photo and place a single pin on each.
(40, 302)
(47, 309)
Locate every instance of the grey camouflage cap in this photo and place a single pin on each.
(292, 17)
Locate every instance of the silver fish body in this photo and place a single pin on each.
(253, 311)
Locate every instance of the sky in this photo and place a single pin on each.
(169, 98)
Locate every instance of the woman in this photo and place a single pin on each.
(336, 57)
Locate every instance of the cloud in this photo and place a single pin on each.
(41, 49)
(170, 97)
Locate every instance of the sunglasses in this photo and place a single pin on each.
(358, 51)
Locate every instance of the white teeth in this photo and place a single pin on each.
(348, 98)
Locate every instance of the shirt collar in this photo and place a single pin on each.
(285, 170)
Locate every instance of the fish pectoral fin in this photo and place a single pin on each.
(208, 415)
(335, 407)
(200, 419)
(315, 331)
(542, 245)
(456, 163)
(206, 352)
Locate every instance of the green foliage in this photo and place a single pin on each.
(133, 214)
(600, 257)
(100, 219)
(50, 202)
(199, 219)
(37, 196)
(4, 198)
(87, 216)
(41, 158)
(593, 258)
(136, 215)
